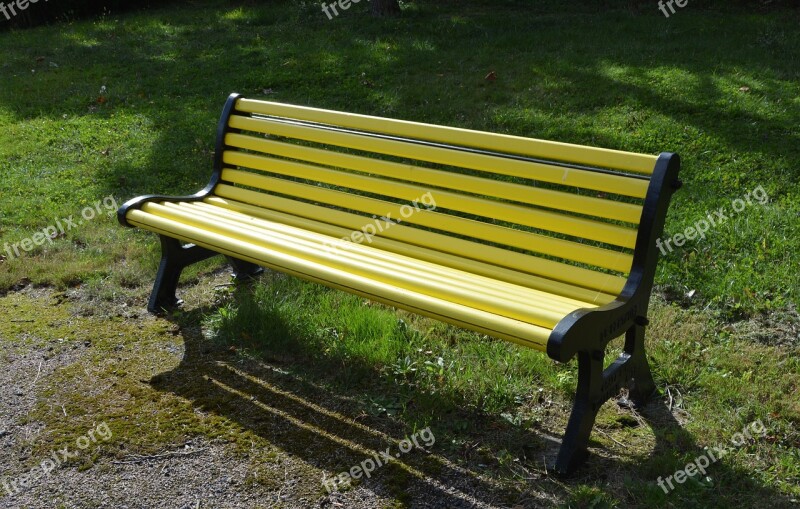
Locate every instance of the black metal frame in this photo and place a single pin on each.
(587, 332)
(176, 256)
(584, 333)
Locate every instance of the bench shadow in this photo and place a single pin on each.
(327, 428)
(674, 449)
(290, 401)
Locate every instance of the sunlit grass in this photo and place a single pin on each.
(128, 105)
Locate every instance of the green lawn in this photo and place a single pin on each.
(122, 106)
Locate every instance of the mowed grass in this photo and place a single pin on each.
(127, 106)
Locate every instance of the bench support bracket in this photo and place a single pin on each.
(596, 386)
(242, 270)
(174, 258)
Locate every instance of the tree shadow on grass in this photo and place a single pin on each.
(315, 408)
(171, 70)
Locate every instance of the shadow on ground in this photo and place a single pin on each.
(289, 401)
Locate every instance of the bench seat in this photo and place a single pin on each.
(549, 245)
(521, 308)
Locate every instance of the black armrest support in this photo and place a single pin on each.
(592, 329)
(222, 130)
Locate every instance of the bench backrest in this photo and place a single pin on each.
(525, 210)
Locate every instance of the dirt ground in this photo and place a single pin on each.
(48, 346)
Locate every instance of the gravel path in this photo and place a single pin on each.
(203, 473)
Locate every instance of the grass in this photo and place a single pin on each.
(122, 106)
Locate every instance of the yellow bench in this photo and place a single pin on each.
(549, 245)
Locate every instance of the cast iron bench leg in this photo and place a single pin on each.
(574, 445)
(174, 258)
(596, 386)
(643, 385)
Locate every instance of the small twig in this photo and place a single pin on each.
(38, 372)
(611, 438)
(136, 458)
(22, 321)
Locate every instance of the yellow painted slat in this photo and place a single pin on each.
(487, 323)
(570, 202)
(436, 275)
(414, 281)
(558, 271)
(492, 209)
(572, 177)
(600, 257)
(341, 224)
(640, 163)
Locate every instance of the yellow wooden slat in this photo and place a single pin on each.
(640, 163)
(436, 275)
(341, 224)
(414, 281)
(570, 202)
(573, 226)
(572, 177)
(558, 271)
(600, 257)
(522, 333)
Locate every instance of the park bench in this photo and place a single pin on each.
(548, 245)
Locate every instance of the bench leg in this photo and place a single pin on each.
(174, 258)
(643, 385)
(596, 386)
(574, 445)
(243, 270)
